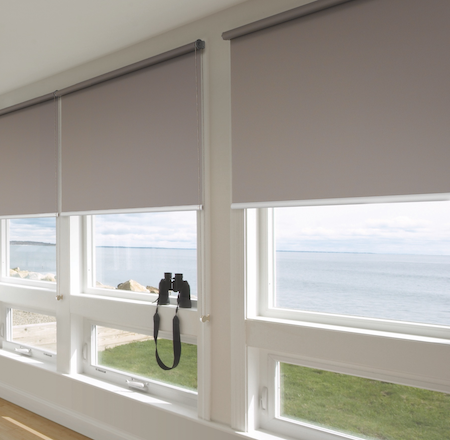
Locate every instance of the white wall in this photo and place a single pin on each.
(99, 413)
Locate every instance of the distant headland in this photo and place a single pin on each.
(30, 243)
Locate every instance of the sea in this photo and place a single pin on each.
(413, 288)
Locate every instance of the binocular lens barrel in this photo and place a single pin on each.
(178, 282)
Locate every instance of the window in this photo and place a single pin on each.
(347, 308)
(357, 406)
(131, 252)
(30, 333)
(126, 257)
(32, 250)
(127, 357)
(388, 261)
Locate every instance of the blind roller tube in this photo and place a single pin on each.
(179, 51)
(283, 17)
(188, 48)
(29, 103)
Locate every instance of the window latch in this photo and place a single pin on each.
(84, 351)
(22, 350)
(263, 398)
(137, 384)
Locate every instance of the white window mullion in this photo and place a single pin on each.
(239, 381)
(69, 327)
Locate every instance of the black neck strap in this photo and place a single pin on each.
(176, 340)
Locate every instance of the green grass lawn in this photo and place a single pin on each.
(363, 407)
(139, 358)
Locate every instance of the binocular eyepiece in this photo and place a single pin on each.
(177, 284)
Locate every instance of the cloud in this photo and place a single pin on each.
(169, 229)
(418, 228)
(403, 223)
(33, 229)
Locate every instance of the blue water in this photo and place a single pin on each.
(40, 259)
(412, 288)
(145, 265)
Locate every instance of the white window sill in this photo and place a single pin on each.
(49, 366)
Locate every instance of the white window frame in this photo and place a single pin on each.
(270, 418)
(261, 222)
(45, 356)
(133, 311)
(73, 307)
(5, 262)
(348, 345)
(153, 387)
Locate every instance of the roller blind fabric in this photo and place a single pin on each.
(351, 101)
(28, 164)
(133, 141)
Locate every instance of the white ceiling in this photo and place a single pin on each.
(39, 38)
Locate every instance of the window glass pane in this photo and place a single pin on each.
(135, 353)
(142, 247)
(386, 260)
(363, 407)
(33, 329)
(32, 246)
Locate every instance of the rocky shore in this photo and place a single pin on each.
(25, 274)
(131, 285)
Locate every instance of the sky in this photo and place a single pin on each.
(176, 229)
(33, 229)
(155, 229)
(399, 228)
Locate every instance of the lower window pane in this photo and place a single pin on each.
(33, 330)
(134, 353)
(363, 407)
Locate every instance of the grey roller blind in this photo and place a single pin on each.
(134, 141)
(28, 161)
(351, 101)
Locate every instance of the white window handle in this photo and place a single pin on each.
(136, 384)
(26, 351)
(263, 398)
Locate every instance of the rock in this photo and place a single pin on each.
(133, 286)
(49, 277)
(152, 289)
(22, 273)
(103, 286)
(35, 276)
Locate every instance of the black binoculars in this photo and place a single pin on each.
(177, 284)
